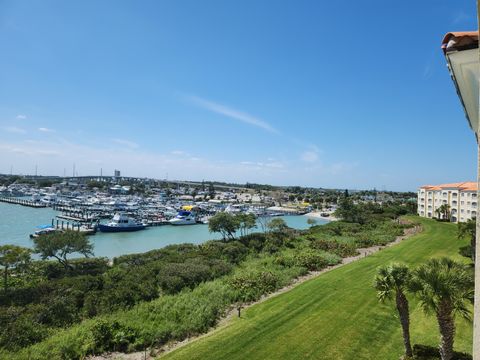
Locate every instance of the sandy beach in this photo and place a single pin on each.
(317, 214)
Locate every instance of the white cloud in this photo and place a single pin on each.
(28, 150)
(21, 117)
(14, 130)
(232, 113)
(47, 130)
(179, 164)
(129, 144)
(311, 155)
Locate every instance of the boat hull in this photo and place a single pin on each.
(182, 222)
(107, 228)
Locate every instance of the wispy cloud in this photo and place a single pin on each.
(21, 117)
(311, 155)
(259, 164)
(127, 143)
(28, 150)
(232, 113)
(460, 17)
(46, 130)
(14, 130)
(427, 71)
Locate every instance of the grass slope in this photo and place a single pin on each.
(337, 315)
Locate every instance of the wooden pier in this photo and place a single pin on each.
(66, 225)
(23, 202)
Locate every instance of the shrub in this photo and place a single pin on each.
(19, 331)
(108, 335)
(335, 246)
(251, 285)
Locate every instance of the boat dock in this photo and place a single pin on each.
(66, 225)
(23, 202)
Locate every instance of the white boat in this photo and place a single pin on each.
(42, 230)
(183, 218)
(49, 199)
(121, 223)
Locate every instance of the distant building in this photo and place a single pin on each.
(461, 199)
(117, 173)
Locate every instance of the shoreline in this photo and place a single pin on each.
(232, 311)
(317, 214)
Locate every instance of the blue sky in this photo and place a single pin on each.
(317, 93)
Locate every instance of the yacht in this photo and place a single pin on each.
(183, 218)
(121, 222)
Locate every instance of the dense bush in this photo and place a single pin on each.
(309, 259)
(251, 285)
(342, 247)
(108, 335)
(170, 317)
(18, 330)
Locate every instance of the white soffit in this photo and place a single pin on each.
(465, 69)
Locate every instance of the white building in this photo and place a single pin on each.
(460, 197)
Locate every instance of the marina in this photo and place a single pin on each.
(20, 221)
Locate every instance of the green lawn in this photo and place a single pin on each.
(337, 315)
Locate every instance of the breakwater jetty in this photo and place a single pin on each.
(23, 202)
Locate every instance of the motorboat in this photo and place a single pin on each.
(42, 230)
(183, 218)
(120, 223)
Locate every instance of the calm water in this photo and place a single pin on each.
(17, 222)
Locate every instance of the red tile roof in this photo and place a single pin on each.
(461, 40)
(462, 186)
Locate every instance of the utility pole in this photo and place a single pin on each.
(73, 169)
(36, 170)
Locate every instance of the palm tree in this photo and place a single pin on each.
(444, 287)
(468, 229)
(392, 280)
(444, 210)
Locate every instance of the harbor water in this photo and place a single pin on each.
(17, 222)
